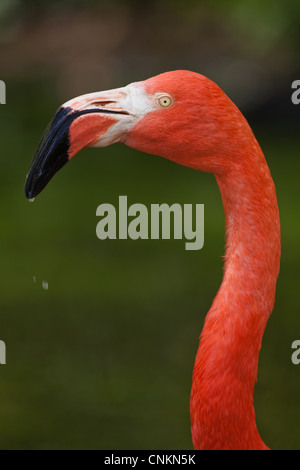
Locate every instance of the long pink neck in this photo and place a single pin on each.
(225, 370)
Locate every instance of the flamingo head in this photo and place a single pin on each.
(180, 115)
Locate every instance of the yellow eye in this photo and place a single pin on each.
(165, 101)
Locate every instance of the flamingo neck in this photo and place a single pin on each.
(225, 371)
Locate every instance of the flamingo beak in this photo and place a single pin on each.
(96, 119)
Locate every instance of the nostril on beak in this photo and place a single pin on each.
(102, 104)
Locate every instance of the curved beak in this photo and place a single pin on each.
(95, 119)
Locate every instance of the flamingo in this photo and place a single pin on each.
(185, 117)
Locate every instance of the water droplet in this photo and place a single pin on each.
(45, 285)
(34, 279)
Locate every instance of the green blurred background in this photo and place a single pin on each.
(103, 358)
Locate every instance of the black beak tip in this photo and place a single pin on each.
(29, 195)
(29, 192)
(51, 154)
(40, 175)
(53, 150)
(35, 182)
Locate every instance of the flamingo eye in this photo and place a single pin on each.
(165, 101)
